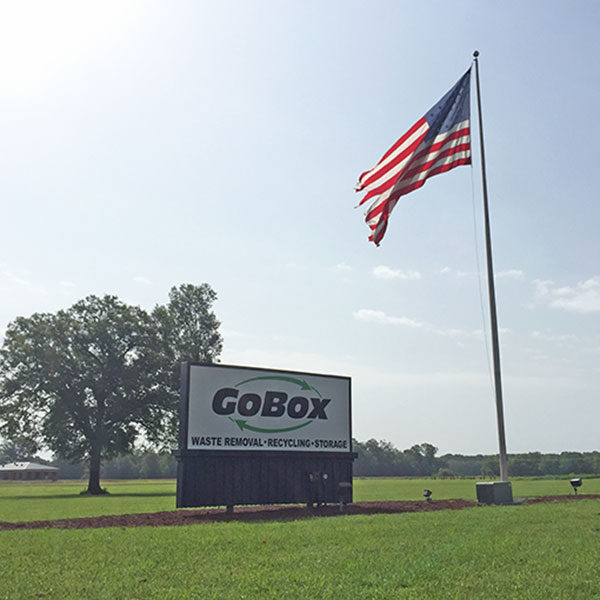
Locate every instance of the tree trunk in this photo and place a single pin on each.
(94, 480)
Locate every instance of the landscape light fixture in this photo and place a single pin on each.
(576, 483)
(427, 494)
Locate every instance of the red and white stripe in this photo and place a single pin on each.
(386, 172)
(407, 165)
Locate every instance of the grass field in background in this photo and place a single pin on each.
(62, 499)
(542, 551)
(375, 488)
(42, 501)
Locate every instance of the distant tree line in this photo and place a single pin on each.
(375, 459)
(136, 465)
(381, 458)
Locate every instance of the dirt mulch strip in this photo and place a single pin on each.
(539, 499)
(260, 513)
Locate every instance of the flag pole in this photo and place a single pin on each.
(492, 293)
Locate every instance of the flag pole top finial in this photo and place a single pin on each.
(476, 53)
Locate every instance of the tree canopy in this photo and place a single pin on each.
(186, 329)
(87, 381)
(18, 449)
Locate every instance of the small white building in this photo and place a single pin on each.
(27, 471)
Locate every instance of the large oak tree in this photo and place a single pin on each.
(87, 381)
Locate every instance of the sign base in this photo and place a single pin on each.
(494, 492)
(226, 478)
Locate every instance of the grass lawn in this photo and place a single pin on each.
(542, 551)
(59, 500)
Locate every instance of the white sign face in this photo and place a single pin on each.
(232, 408)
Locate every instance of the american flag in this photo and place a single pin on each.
(436, 143)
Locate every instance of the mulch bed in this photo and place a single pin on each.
(539, 499)
(261, 513)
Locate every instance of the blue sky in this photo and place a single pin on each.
(150, 144)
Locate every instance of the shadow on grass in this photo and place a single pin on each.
(78, 495)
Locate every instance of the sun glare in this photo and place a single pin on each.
(40, 39)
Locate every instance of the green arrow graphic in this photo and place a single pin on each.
(303, 384)
(244, 425)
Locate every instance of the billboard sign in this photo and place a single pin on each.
(228, 408)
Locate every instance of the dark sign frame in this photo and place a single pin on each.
(208, 477)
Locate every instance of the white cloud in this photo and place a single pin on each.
(584, 297)
(384, 272)
(343, 267)
(291, 266)
(542, 288)
(450, 271)
(141, 279)
(550, 337)
(378, 316)
(231, 333)
(510, 274)
(11, 279)
(66, 284)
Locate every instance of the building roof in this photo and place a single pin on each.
(26, 466)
